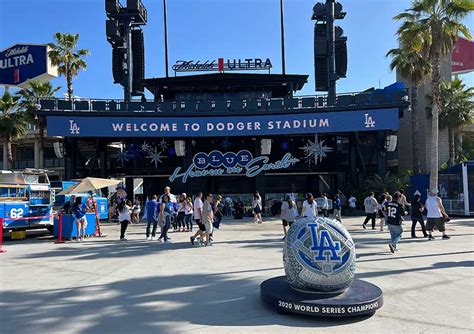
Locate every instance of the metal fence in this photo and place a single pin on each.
(453, 206)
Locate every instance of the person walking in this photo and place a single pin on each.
(417, 216)
(207, 219)
(188, 214)
(344, 202)
(228, 207)
(136, 209)
(403, 200)
(381, 207)
(325, 206)
(166, 210)
(151, 208)
(198, 204)
(92, 207)
(310, 208)
(217, 210)
(352, 204)
(180, 225)
(257, 208)
(287, 214)
(79, 212)
(436, 215)
(124, 216)
(395, 213)
(388, 199)
(337, 205)
(371, 207)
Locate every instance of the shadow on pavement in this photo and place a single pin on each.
(154, 304)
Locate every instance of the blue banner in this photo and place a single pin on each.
(212, 126)
(22, 62)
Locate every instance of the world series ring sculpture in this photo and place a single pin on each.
(319, 255)
(319, 258)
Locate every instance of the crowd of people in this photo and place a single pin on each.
(182, 213)
(391, 209)
(202, 214)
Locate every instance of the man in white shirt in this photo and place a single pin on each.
(352, 202)
(172, 197)
(371, 207)
(325, 206)
(198, 218)
(310, 208)
(436, 215)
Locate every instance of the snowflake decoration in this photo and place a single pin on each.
(285, 146)
(314, 152)
(155, 157)
(123, 157)
(145, 147)
(133, 151)
(163, 144)
(193, 142)
(226, 144)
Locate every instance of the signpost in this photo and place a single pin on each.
(24, 62)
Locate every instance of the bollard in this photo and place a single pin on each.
(1, 237)
(60, 230)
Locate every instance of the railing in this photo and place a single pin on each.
(375, 98)
(453, 206)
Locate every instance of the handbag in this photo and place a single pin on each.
(159, 219)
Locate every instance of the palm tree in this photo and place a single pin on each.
(29, 100)
(13, 122)
(65, 55)
(456, 111)
(412, 66)
(432, 27)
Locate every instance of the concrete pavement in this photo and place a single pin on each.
(106, 286)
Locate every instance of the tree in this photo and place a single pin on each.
(65, 55)
(13, 122)
(28, 102)
(456, 111)
(412, 66)
(432, 27)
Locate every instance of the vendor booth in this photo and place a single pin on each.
(69, 227)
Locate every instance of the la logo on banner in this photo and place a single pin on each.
(369, 122)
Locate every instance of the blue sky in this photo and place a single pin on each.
(208, 29)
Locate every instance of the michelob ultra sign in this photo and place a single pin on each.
(22, 62)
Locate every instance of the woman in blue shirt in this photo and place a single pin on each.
(79, 212)
(166, 209)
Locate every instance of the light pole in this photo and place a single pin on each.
(282, 27)
(166, 37)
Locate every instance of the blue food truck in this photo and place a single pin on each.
(26, 200)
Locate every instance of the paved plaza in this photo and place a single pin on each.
(106, 286)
